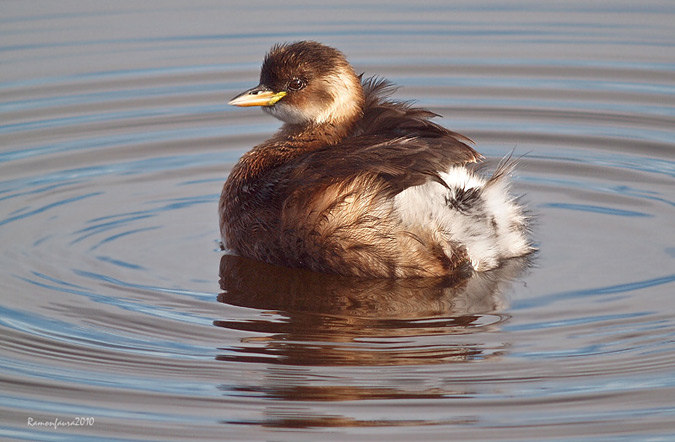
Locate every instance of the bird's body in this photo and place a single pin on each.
(355, 184)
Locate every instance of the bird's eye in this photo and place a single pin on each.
(296, 84)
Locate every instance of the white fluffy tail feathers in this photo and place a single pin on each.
(470, 212)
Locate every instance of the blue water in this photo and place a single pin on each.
(117, 305)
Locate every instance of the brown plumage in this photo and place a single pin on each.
(327, 191)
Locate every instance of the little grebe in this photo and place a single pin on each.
(356, 184)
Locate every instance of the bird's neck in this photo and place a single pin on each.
(291, 142)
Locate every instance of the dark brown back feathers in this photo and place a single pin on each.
(394, 141)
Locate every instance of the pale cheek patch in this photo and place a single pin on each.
(343, 105)
(289, 114)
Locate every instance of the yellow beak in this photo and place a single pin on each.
(257, 96)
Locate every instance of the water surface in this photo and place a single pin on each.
(117, 306)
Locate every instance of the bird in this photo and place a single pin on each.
(357, 184)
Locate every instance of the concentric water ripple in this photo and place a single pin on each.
(118, 305)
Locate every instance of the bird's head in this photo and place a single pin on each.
(306, 83)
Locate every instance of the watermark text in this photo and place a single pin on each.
(57, 423)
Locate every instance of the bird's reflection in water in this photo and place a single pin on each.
(334, 322)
